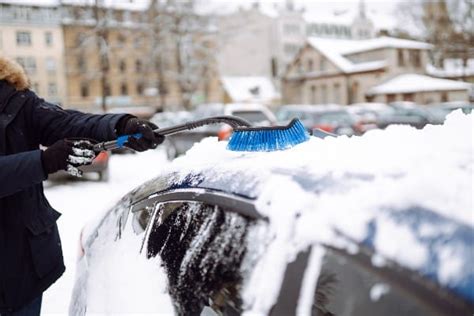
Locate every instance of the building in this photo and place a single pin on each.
(32, 35)
(107, 60)
(342, 71)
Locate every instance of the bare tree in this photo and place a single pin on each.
(180, 50)
(447, 24)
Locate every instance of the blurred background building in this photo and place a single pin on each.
(152, 55)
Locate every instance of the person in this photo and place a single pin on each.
(30, 248)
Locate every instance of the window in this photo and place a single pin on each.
(337, 93)
(123, 66)
(52, 89)
(323, 64)
(50, 65)
(408, 97)
(48, 38)
(310, 65)
(351, 284)
(401, 61)
(324, 94)
(354, 92)
(140, 88)
(82, 64)
(138, 66)
(84, 90)
(444, 97)
(107, 90)
(123, 89)
(313, 91)
(415, 58)
(274, 66)
(122, 41)
(391, 98)
(28, 63)
(23, 38)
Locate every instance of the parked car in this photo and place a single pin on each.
(369, 114)
(293, 232)
(441, 110)
(406, 113)
(178, 144)
(330, 118)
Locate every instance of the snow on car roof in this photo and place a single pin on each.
(250, 88)
(404, 192)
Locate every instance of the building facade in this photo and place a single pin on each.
(342, 71)
(32, 35)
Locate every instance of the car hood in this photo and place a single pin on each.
(404, 193)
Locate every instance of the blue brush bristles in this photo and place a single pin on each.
(268, 138)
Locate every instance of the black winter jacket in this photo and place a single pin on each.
(30, 249)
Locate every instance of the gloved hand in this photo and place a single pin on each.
(132, 125)
(67, 155)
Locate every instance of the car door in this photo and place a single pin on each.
(361, 283)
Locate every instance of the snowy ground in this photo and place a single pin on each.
(80, 201)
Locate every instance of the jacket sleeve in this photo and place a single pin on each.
(20, 171)
(53, 123)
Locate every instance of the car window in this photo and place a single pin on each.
(203, 248)
(351, 285)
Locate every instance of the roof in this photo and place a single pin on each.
(410, 83)
(249, 89)
(452, 67)
(336, 50)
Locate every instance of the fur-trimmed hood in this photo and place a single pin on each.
(13, 73)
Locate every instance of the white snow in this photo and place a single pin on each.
(250, 89)
(408, 83)
(84, 201)
(358, 178)
(378, 290)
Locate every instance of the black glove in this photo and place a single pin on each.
(67, 155)
(132, 125)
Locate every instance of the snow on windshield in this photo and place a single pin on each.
(365, 187)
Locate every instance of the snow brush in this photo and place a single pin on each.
(270, 138)
(234, 122)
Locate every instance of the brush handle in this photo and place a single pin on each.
(233, 121)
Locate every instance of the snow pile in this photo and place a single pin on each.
(415, 185)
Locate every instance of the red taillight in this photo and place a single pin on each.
(102, 157)
(325, 127)
(224, 133)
